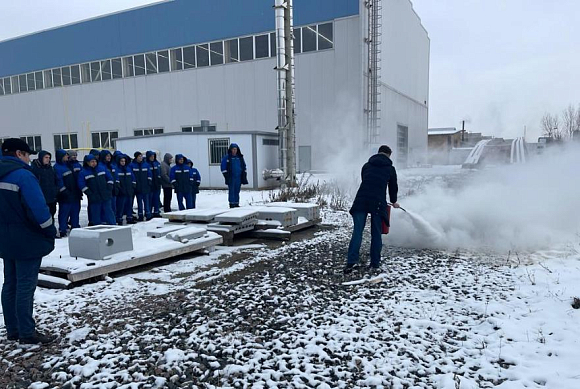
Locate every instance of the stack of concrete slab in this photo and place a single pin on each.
(163, 231)
(236, 221)
(308, 211)
(281, 216)
(194, 215)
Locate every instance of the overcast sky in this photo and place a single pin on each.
(498, 63)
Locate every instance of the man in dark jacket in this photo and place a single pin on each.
(126, 190)
(154, 200)
(106, 161)
(76, 168)
(181, 180)
(377, 174)
(27, 234)
(143, 178)
(166, 182)
(69, 194)
(44, 171)
(235, 174)
(97, 183)
(195, 181)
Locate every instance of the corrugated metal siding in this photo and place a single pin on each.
(164, 25)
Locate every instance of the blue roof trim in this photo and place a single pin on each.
(162, 25)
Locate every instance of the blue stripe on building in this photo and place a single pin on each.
(159, 26)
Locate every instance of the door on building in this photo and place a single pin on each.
(402, 146)
(304, 158)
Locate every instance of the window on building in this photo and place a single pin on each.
(273, 44)
(189, 57)
(75, 74)
(86, 73)
(117, 68)
(1, 87)
(139, 64)
(163, 61)
(202, 55)
(65, 72)
(106, 70)
(38, 80)
(151, 63)
(22, 83)
(308, 38)
(33, 141)
(104, 139)
(56, 77)
(247, 48)
(30, 81)
(128, 68)
(147, 131)
(262, 46)
(47, 78)
(297, 40)
(270, 142)
(186, 129)
(96, 71)
(231, 51)
(176, 59)
(66, 141)
(325, 37)
(216, 50)
(402, 145)
(15, 84)
(217, 149)
(7, 86)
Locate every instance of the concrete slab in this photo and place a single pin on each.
(184, 235)
(307, 210)
(237, 216)
(161, 232)
(98, 242)
(285, 216)
(195, 215)
(235, 228)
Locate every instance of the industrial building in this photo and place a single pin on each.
(208, 65)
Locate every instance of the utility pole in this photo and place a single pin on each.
(285, 82)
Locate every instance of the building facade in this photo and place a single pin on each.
(208, 65)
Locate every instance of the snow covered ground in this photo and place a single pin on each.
(283, 316)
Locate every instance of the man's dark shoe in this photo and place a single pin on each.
(148, 218)
(38, 338)
(156, 216)
(349, 268)
(131, 221)
(140, 219)
(13, 337)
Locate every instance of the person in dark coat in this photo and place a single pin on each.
(76, 168)
(97, 183)
(106, 160)
(69, 194)
(46, 175)
(96, 153)
(166, 182)
(195, 181)
(235, 174)
(27, 234)
(377, 174)
(154, 199)
(126, 190)
(181, 180)
(143, 178)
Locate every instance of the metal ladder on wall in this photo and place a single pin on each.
(373, 42)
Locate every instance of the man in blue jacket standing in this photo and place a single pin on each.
(377, 174)
(76, 168)
(180, 178)
(143, 178)
(154, 197)
(97, 183)
(69, 194)
(27, 234)
(235, 175)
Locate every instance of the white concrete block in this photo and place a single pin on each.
(285, 216)
(98, 242)
(237, 216)
(186, 234)
(307, 210)
(195, 215)
(161, 232)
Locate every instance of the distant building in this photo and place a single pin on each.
(441, 141)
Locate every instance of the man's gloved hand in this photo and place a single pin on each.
(50, 232)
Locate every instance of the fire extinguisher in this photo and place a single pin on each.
(385, 226)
